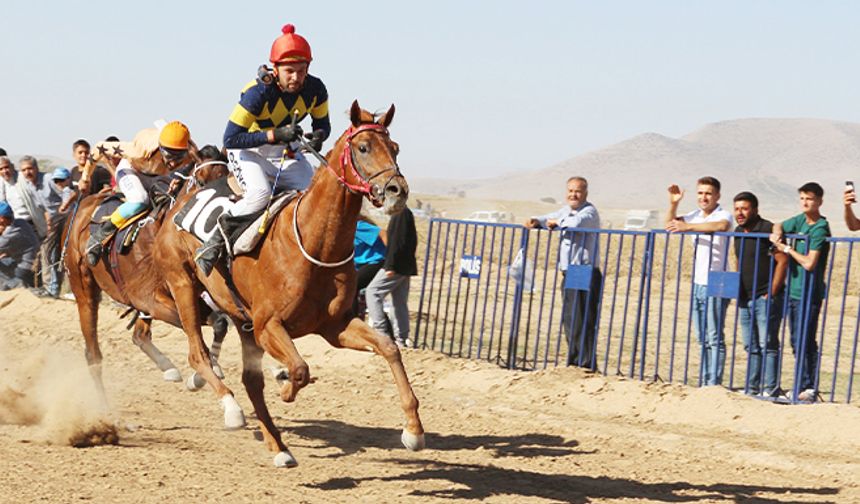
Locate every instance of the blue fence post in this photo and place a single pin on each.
(424, 286)
(518, 301)
(647, 263)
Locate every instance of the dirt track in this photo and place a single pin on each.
(493, 435)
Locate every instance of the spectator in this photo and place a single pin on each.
(711, 253)
(369, 244)
(3, 152)
(18, 248)
(806, 282)
(29, 185)
(760, 300)
(56, 194)
(393, 278)
(101, 177)
(21, 193)
(849, 199)
(579, 308)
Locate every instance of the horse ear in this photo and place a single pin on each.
(387, 117)
(355, 114)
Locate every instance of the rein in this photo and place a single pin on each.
(302, 248)
(364, 187)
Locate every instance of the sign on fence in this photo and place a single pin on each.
(470, 266)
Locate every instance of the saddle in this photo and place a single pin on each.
(157, 186)
(200, 215)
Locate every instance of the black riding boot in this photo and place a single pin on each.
(209, 253)
(94, 244)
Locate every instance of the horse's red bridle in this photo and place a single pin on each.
(364, 186)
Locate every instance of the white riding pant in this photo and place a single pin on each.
(256, 169)
(129, 184)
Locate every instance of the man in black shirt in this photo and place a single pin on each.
(393, 278)
(760, 300)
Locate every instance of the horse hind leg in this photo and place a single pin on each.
(198, 356)
(357, 335)
(220, 324)
(252, 378)
(142, 337)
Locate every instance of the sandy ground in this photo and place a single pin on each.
(493, 435)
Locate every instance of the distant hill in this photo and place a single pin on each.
(46, 162)
(770, 157)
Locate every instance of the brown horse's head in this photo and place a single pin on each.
(210, 164)
(369, 160)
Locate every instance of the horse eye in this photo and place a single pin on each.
(363, 149)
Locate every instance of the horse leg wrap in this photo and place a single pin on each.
(285, 459)
(412, 442)
(234, 418)
(170, 373)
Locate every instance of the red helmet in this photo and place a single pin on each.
(290, 47)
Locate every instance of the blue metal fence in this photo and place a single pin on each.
(495, 292)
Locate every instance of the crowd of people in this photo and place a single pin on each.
(769, 269)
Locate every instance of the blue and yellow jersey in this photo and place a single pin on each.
(264, 106)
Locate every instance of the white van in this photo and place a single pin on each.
(642, 219)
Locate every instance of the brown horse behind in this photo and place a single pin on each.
(141, 284)
(291, 287)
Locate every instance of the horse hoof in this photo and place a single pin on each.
(285, 459)
(172, 375)
(233, 416)
(218, 371)
(195, 382)
(412, 442)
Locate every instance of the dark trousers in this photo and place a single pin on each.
(803, 324)
(579, 319)
(11, 276)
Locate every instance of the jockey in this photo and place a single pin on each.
(262, 137)
(152, 152)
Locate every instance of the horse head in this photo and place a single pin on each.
(369, 160)
(210, 164)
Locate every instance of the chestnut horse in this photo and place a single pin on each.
(141, 285)
(299, 280)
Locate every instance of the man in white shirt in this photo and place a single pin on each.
(711, 253)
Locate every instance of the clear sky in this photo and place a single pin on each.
(481, 88)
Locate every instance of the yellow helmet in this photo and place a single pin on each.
(174, 135)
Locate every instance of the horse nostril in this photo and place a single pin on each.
(393, 189)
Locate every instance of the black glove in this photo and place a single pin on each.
(287, 134)
(316, 139)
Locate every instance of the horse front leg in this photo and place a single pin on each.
(186, 296)
(219, 322)
(87, 296)
(356, 334)
(142, 337)
(252, 378)
(272, 336)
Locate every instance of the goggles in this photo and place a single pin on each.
(173, 155)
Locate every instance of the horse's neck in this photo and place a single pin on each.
(327, 215)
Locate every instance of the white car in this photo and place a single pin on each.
(490, 216)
